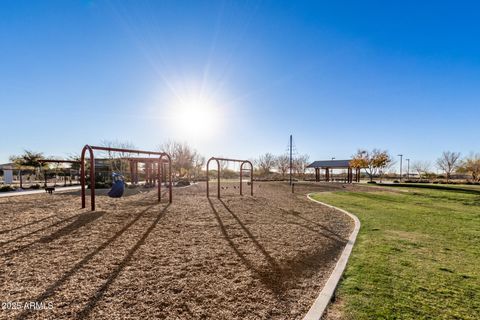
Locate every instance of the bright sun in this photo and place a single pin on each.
(194, 118)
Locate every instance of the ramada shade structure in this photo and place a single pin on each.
(335, 164)
(58, 161)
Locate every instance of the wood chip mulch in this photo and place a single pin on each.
(261, 257)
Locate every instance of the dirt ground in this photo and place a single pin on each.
(261, 257)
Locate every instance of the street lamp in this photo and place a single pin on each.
(408, 168)
(401, 158)
(331, 169)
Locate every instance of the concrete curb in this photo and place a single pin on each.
(318, 308)
(41, 190)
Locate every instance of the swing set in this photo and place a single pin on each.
(160, 170)
(242, 163)
(150, 166)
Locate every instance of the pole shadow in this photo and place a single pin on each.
(80, 264)
(314, 230)
(331, 234)
(280, 277)
(270, 278)
(41, 229)
(257, 244)
(26, 225)
(101, 291)
(82, 220)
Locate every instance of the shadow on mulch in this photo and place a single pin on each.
(281, 276)
(95, 298)
(101, 291)
(41, 229)
(26, 225)
(81, 221)
(276, 287)
(326, 232)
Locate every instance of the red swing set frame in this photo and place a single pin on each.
(149, 168)
(92, 170)
(243, 162)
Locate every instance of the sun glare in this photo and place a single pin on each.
(195, 118)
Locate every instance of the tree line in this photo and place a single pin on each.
(189, 163)
(377, 162)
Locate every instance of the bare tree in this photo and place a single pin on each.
(119, 145)
(116, 162)
(282, 163)
(448, 162)
(224, 165)
(198, 163)
(184, 157)
(421, 167)
(300, 164)
(266, 162)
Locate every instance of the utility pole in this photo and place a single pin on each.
(291, 160)
(401, 158)
(408, 168)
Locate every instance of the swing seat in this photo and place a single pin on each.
(118, 187)
(117, 190)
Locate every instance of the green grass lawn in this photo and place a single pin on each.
(417, 255)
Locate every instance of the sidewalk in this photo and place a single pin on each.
(27, 192)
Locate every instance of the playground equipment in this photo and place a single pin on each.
(118, 187)
(149, 169)
(92, 170)
(242, 163)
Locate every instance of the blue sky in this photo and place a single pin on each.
(338, 75)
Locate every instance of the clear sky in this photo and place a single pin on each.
(235, 78)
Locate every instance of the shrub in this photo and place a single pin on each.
(6, 189)
(396, 181)
(35, 186)
(182, 183)
(101, 185)
(372, 182)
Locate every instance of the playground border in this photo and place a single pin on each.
(318, 308)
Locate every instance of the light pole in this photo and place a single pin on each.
(401, 158)
(331, 169)
(291, 159)
(408, 168)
